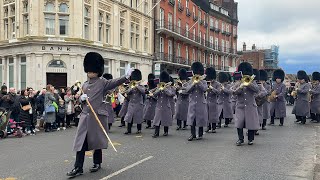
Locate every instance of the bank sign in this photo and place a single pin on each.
(55, 48)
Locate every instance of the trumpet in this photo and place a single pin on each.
(246, 80)
(163, 85)
(134, 84)
(197, 78)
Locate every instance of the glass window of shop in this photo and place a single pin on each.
(11, 72)
(122, 68)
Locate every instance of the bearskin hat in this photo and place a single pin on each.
(136, 75)
(93, 62)
(151, 76)
(223, 77)
(257, 74)
(211, 74)
(151, 84)
(183, 75)
(302, 75)
(278, 74)
(245, 68)
(164, 77)
(197, 68)
(107, 76)
(263, 75)
(316, 76)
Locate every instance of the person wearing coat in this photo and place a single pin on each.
(212, 97)
(278, 107)
(163, 113)
(69, 106)
(89, 135)
(260, 95)
(315, 96)
(266, 104)
(197, 110)
(25, 115)
(135, 94)
(246, 115)
(150, 104)
(182, 103)
(302, 106)
(224, 100)
(49, 117)
(108, 103)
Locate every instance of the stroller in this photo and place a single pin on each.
(9, 126)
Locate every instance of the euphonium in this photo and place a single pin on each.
(247, 80)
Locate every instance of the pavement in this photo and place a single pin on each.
(279, 153)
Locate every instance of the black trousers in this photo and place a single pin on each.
(97, 156)
(179, 123)
(123, 122)
(193, 130)
(212, 126)
(273, 116)
(250, 134)
(157, 129)
(149, 123)
(130, 126)
(69, 118)
(60, 120)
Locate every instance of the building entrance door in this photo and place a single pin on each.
(58, 80)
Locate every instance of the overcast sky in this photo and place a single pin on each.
(294, 25)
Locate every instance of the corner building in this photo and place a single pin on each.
(45, 41)
(187, 31)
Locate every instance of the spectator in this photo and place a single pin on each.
(6, 101)
(69, 103)
(15, 108)
(61, 115)
(26, 111)
(62, 93)
(40, 107)
(33, 112)
(50, 117)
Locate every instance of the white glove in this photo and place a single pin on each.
(75, 88)
(180, 91)
(128, 71)
(83, 97)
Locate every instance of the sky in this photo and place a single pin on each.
(294, 25)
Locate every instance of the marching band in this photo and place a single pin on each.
(196, 99)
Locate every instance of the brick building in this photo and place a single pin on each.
(201, 30)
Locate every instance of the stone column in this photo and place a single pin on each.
(4, 71)
(15, 72)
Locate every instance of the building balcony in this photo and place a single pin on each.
(172, 2)
(235, 35)
(188, 12)
(181, 34)
(224, 32)
(180, 7)
(200, 21)
(195, 18)
(205, 24)
(228, 33)
(172, 59)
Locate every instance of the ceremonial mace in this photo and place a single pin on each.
(78, 84)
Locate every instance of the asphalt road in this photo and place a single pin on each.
(287, 152)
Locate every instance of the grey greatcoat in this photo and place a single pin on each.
(212, 97)
(163, 112)
(262, 93)
(182, 104)
(88, 127)
(124, 108)
(48, 100)
(246, 115)
(279, 106)
(197, 110)
(302, 105)
(315, 99)
(224, 102)
(173, 103)
(108, 107)
(266, 105)
(149, 108)
(135, 108)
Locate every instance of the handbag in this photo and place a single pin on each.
(26, 107)
(50, 109)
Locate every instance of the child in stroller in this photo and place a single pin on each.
(9, 126)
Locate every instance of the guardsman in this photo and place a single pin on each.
(89, 134)
(266, 104)
(278, 101)
(108, 103)
(246, 115)
(224, 100)
(302, 106)
(212, 97)
(260, 97)
(150, 104)
(182, 100)
(135, 94)
(197, 110)
(315, 96)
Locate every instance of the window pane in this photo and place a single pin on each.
(64, 21)
(23, 76)
(49, 7)
(63, 8)
(50, 24)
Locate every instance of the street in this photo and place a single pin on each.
(279, 153)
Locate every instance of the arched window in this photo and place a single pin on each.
(49, 7)
(56, 64)
(63, 8)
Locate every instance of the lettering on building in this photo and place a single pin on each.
(53, 48)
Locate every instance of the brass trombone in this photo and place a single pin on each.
(197, 78)
(246, 80)
(78, 84)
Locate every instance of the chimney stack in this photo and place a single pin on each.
(244, 47)
(254, 47)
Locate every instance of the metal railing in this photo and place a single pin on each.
(180, 7)
(188, 12)
(172, 2)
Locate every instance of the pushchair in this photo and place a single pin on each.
(9, 126)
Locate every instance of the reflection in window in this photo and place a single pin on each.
(56, 64)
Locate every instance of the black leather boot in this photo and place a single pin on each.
(156, 132)
(95, 168)
(75, 172)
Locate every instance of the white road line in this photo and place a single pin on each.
(126, 168)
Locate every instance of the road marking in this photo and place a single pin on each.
(88, 153)
(116, 144)
(126, 168)
(138, 136)
(10, 178)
